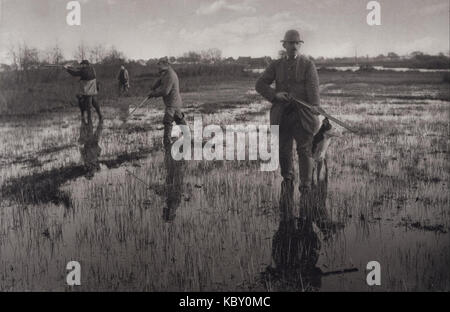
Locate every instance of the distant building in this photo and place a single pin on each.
(244, 60)
(229, 60)
(260, 62)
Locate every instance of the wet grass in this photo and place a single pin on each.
(388, 186)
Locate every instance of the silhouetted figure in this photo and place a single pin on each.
(175, 170)
(295, 251)
(90, 150)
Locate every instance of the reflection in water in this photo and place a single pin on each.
(174, 185)
(296, 246)
(90, 150)
(295, 251)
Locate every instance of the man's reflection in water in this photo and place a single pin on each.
(175, 170)
(89, 147)
(295, 251)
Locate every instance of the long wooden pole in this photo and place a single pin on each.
(132, 112)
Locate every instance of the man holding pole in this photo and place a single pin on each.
(296, 77)
(167, 87)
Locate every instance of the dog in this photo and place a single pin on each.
(319, 185)
(321, 142)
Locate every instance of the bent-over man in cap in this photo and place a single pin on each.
(88, 85)
(295, 76)
(168, 87)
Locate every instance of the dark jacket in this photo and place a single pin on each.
(88, 81)
(85, 73)
(168, 87)
(123, 76)
(303, 86)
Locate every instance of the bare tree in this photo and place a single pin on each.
(81, 52)
(191, 57)
(113, 56)
(211, 55)
(53, 55)
(13, 54)
(28, 57)
(23, 59)
(57, 56)
(97, 53)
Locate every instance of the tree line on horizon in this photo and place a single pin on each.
(24, 57)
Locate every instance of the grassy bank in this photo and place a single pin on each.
(46, 90)
(49, 90)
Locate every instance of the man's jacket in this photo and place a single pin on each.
(123, 76)
(88, 81)
(168, 87)
(299, 79)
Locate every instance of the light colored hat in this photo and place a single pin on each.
(292, 36)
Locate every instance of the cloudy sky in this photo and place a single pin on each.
(154, 28)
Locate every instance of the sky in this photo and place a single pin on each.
(144, 29)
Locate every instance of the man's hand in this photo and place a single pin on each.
(282, 97)
(317, 110)
(150, 95)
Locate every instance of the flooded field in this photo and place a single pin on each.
(106, 196)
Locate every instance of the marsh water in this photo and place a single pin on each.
(107, 196)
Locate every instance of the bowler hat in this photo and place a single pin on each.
(292, 36)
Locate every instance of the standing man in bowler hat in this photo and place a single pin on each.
(295, 76)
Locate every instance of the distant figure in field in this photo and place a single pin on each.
(88, 87)
(124, 80)
(167, 87)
